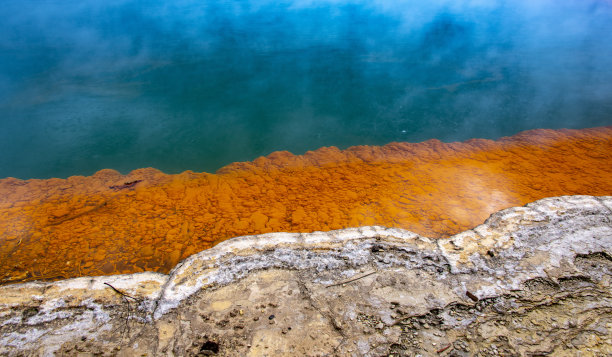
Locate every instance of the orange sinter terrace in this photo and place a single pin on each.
(148, 221)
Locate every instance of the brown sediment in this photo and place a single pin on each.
(110, 223)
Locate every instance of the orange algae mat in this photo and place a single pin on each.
(149, 221)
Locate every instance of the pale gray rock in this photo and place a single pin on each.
(531, 280)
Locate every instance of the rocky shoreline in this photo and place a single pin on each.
(532, 280)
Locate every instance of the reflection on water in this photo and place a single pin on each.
(109, 223)
(190, 84)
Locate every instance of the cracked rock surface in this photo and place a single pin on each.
(530, 281)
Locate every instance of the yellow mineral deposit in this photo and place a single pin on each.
(148, 221)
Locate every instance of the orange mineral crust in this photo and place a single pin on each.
(148, 221)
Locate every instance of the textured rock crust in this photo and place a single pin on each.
(530, 281)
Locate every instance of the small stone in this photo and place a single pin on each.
(241, 312)
(380, 326)
(271, 317)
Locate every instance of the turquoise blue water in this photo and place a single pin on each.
(187, 84)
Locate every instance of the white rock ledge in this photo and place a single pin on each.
(408, 291)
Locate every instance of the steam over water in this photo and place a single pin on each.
(192, 84)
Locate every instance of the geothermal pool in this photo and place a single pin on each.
(196, 85)
(134, 134)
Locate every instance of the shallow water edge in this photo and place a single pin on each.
(148, 221)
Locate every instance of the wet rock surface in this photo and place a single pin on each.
(530, 281)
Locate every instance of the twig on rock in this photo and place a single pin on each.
(444, 348)
(351, 280)
(121, 292)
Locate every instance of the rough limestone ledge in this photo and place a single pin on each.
(531, 280)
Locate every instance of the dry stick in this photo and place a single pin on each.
(121, 292)
(351, 280)
(444, 348)
(127, 320)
